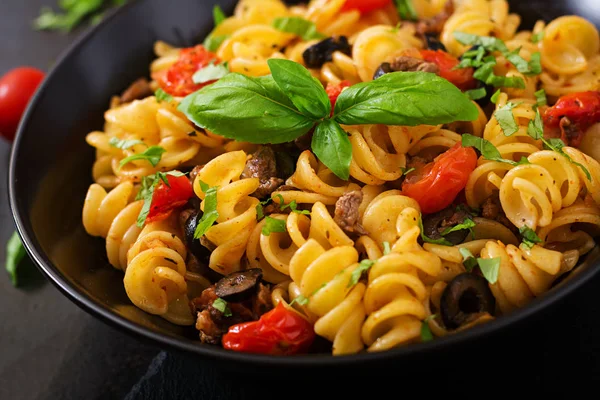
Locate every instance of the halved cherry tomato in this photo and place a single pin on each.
(436, 185)
(462, 78)
(165, 198)
(365, 6)
(582, 109)
(279, 332)
(334, 91)
(16, 88)
(177, 80)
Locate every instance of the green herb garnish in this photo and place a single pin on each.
(406, 10)
(149, 183)
(302, 300)
(364, 266)
(476, 94)
(488, 150)
(427, 239)
(211, 72)
(540, 98)
(15, 251)
(386, 248)
(506, 119)
(152, 154)
(489, 268)
(537, 37)
(306, 29)
(273, 225)
(468, 224)
(426, 335)
(469, 260)
(72, 13)
(210, 215)
(123, 144)
(495, 96)
(218, 15)
(222, 306)
(161, 96)
(530, 238)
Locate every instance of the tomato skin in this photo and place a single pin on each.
(365, 6)
(16, 89)
(334, 91)
(582, 109)
(166, 199)
(279, 332)
(436, 185)
(461, 78)
(177, 80)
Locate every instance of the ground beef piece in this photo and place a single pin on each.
(213, 324)
(436, 24)
(137, 90)
(410, 64)
(263, 165)
(417, 162)
(194, 172)
(492, 209)
(571, 134)
(457, 218)
(346, 212)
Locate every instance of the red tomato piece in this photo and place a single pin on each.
(334, 91)
(165, 198)
(177, 80)
(436, 185)
(461, 78)
(281, 331)
(365, 6)
(582, 109)
(16, 89)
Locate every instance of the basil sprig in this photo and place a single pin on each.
(488, 150)
(306, 29)
(506, 119)
(15, 251)
(289, 103)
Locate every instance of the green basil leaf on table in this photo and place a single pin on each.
(15, 251)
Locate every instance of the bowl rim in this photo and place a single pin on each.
(43, 263)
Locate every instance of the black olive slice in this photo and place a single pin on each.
(433, 42)
(194, 245)
(466, 295)
(432, 227)
(318, 54)
(239, 286)
(384, 68)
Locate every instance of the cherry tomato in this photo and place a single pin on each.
(436, 185)
(334, 91)
(279, 332)
(582, 109)
(365, 6)
(165, 198)
(461, 78)
(16, 89)
(177, 80)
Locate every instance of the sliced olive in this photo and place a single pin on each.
(318, 54)
(194, 245)
(433, 42)
(466, 296)
(384, 68)
(433, 226)
(239, 286)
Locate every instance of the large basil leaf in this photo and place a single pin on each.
(332, 146)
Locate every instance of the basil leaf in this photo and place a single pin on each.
(426, 335)
(212, 42)
(386, 248)
(292, 206)
(211, 72)
(506, 119)
(152, 154)
(15, 251)
(487, 149)
(300, 300)
(331, 145)
(210, 215)
(74, 13)
(486, 75)
(222, 306)
(257, 105)
(533, 67)
(260, 212)
(218, 15)
(123, 144)
(161, 96)
(427, 239)
(468, 223)
(530, 238)
(273, 225)
(476, 94)
(306, 29)
(364, 266)
(487, 42)
(404, 98)
(145, 193)
(535, 64)
(537, 37)
(540, 98)
(406, 10)
(303, 89)
(469, 260)
(489, 268)
(495, 96)
(407, 171)
(535, 129)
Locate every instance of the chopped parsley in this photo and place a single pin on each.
(364, 266)
(530, 238)
(222, 306)
(210, 215)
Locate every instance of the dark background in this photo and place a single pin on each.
(50, 349)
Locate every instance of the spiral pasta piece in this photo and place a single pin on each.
(101, 208)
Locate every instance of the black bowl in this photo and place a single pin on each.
(50, 171)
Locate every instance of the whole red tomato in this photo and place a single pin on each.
(16, 88)
(582, 109)
(462, 78)
(365, 6)
(281, 331)
(178, 79)
(165, 198)
(436, 185)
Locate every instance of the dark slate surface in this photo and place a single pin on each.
(50, 349)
